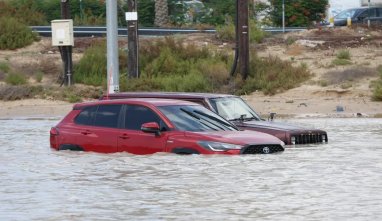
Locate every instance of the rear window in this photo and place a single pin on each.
(107, 116)
(86, 117)
(101, 116)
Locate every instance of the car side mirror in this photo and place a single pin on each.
(151, 127)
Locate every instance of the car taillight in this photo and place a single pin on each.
(54, 131)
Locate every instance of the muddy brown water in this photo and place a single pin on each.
(341, 180)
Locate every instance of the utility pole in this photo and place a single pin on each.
(243, 29)
(66, 51)
(283, 9)
(132, 39)
(112, 47)
(368, 20)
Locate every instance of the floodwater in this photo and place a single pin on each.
(341, 180)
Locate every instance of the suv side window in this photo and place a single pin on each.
(86, 117)
(379, 12)
(138, 115)
(366, 13)
(107, 116)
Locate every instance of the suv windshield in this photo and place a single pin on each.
(195, 118)
(345, 14)
(233, 108)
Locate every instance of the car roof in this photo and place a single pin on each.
(363, 7)
(142, 101)
(174, 95)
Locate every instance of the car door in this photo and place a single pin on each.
(98, 133)
(133, 140)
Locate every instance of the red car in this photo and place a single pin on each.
(146, 126)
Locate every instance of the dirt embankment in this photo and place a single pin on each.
(334, 90)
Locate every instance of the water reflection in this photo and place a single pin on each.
(340, 180)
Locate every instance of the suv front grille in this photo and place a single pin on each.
(262, 149)
(309, 138)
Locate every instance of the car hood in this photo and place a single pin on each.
(236, 137)
(272, 125)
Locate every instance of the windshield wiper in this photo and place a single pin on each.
(243, 118)
(200, 119)
(216, 119)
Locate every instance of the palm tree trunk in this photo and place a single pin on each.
(161, 13)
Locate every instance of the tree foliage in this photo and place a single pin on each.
(298, 12)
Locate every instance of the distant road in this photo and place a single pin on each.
(86, 31)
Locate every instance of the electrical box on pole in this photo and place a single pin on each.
(62, 32)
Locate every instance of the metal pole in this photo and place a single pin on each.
(283, 6)
(368, 20)
(112, 47)
(243, 9)
(81, 12)
(132, 38)
(67, 50)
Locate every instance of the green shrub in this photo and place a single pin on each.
(343, 54)
(38, 76)
(273, 75)
(15, 79)
(25, 11)
(323, 83)
(377, 90)
(227, 32)
(346, 85)
(4, 67)
(14, 34)
(91, 69)
(341, 62)
(172, 65)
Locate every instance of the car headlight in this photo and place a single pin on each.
(217, 146)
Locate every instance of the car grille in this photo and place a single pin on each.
(262, 149)
(310, 138)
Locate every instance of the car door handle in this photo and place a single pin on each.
(86, 132)
(124, 136)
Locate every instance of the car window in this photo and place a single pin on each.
(379, 10)
(107, 116)
(233, 108)
(345, 14)
(370, 12)
(138, 115)
(86, 117)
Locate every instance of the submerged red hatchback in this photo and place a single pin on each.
(146, 126)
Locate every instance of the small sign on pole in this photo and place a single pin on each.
(131, 16)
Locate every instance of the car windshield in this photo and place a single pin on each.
(195, 118)
(233, 108)
(345, 14)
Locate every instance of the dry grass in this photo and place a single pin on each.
(295, 50)
(340, 77)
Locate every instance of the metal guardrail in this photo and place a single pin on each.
(101, 31)
(87, 31)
